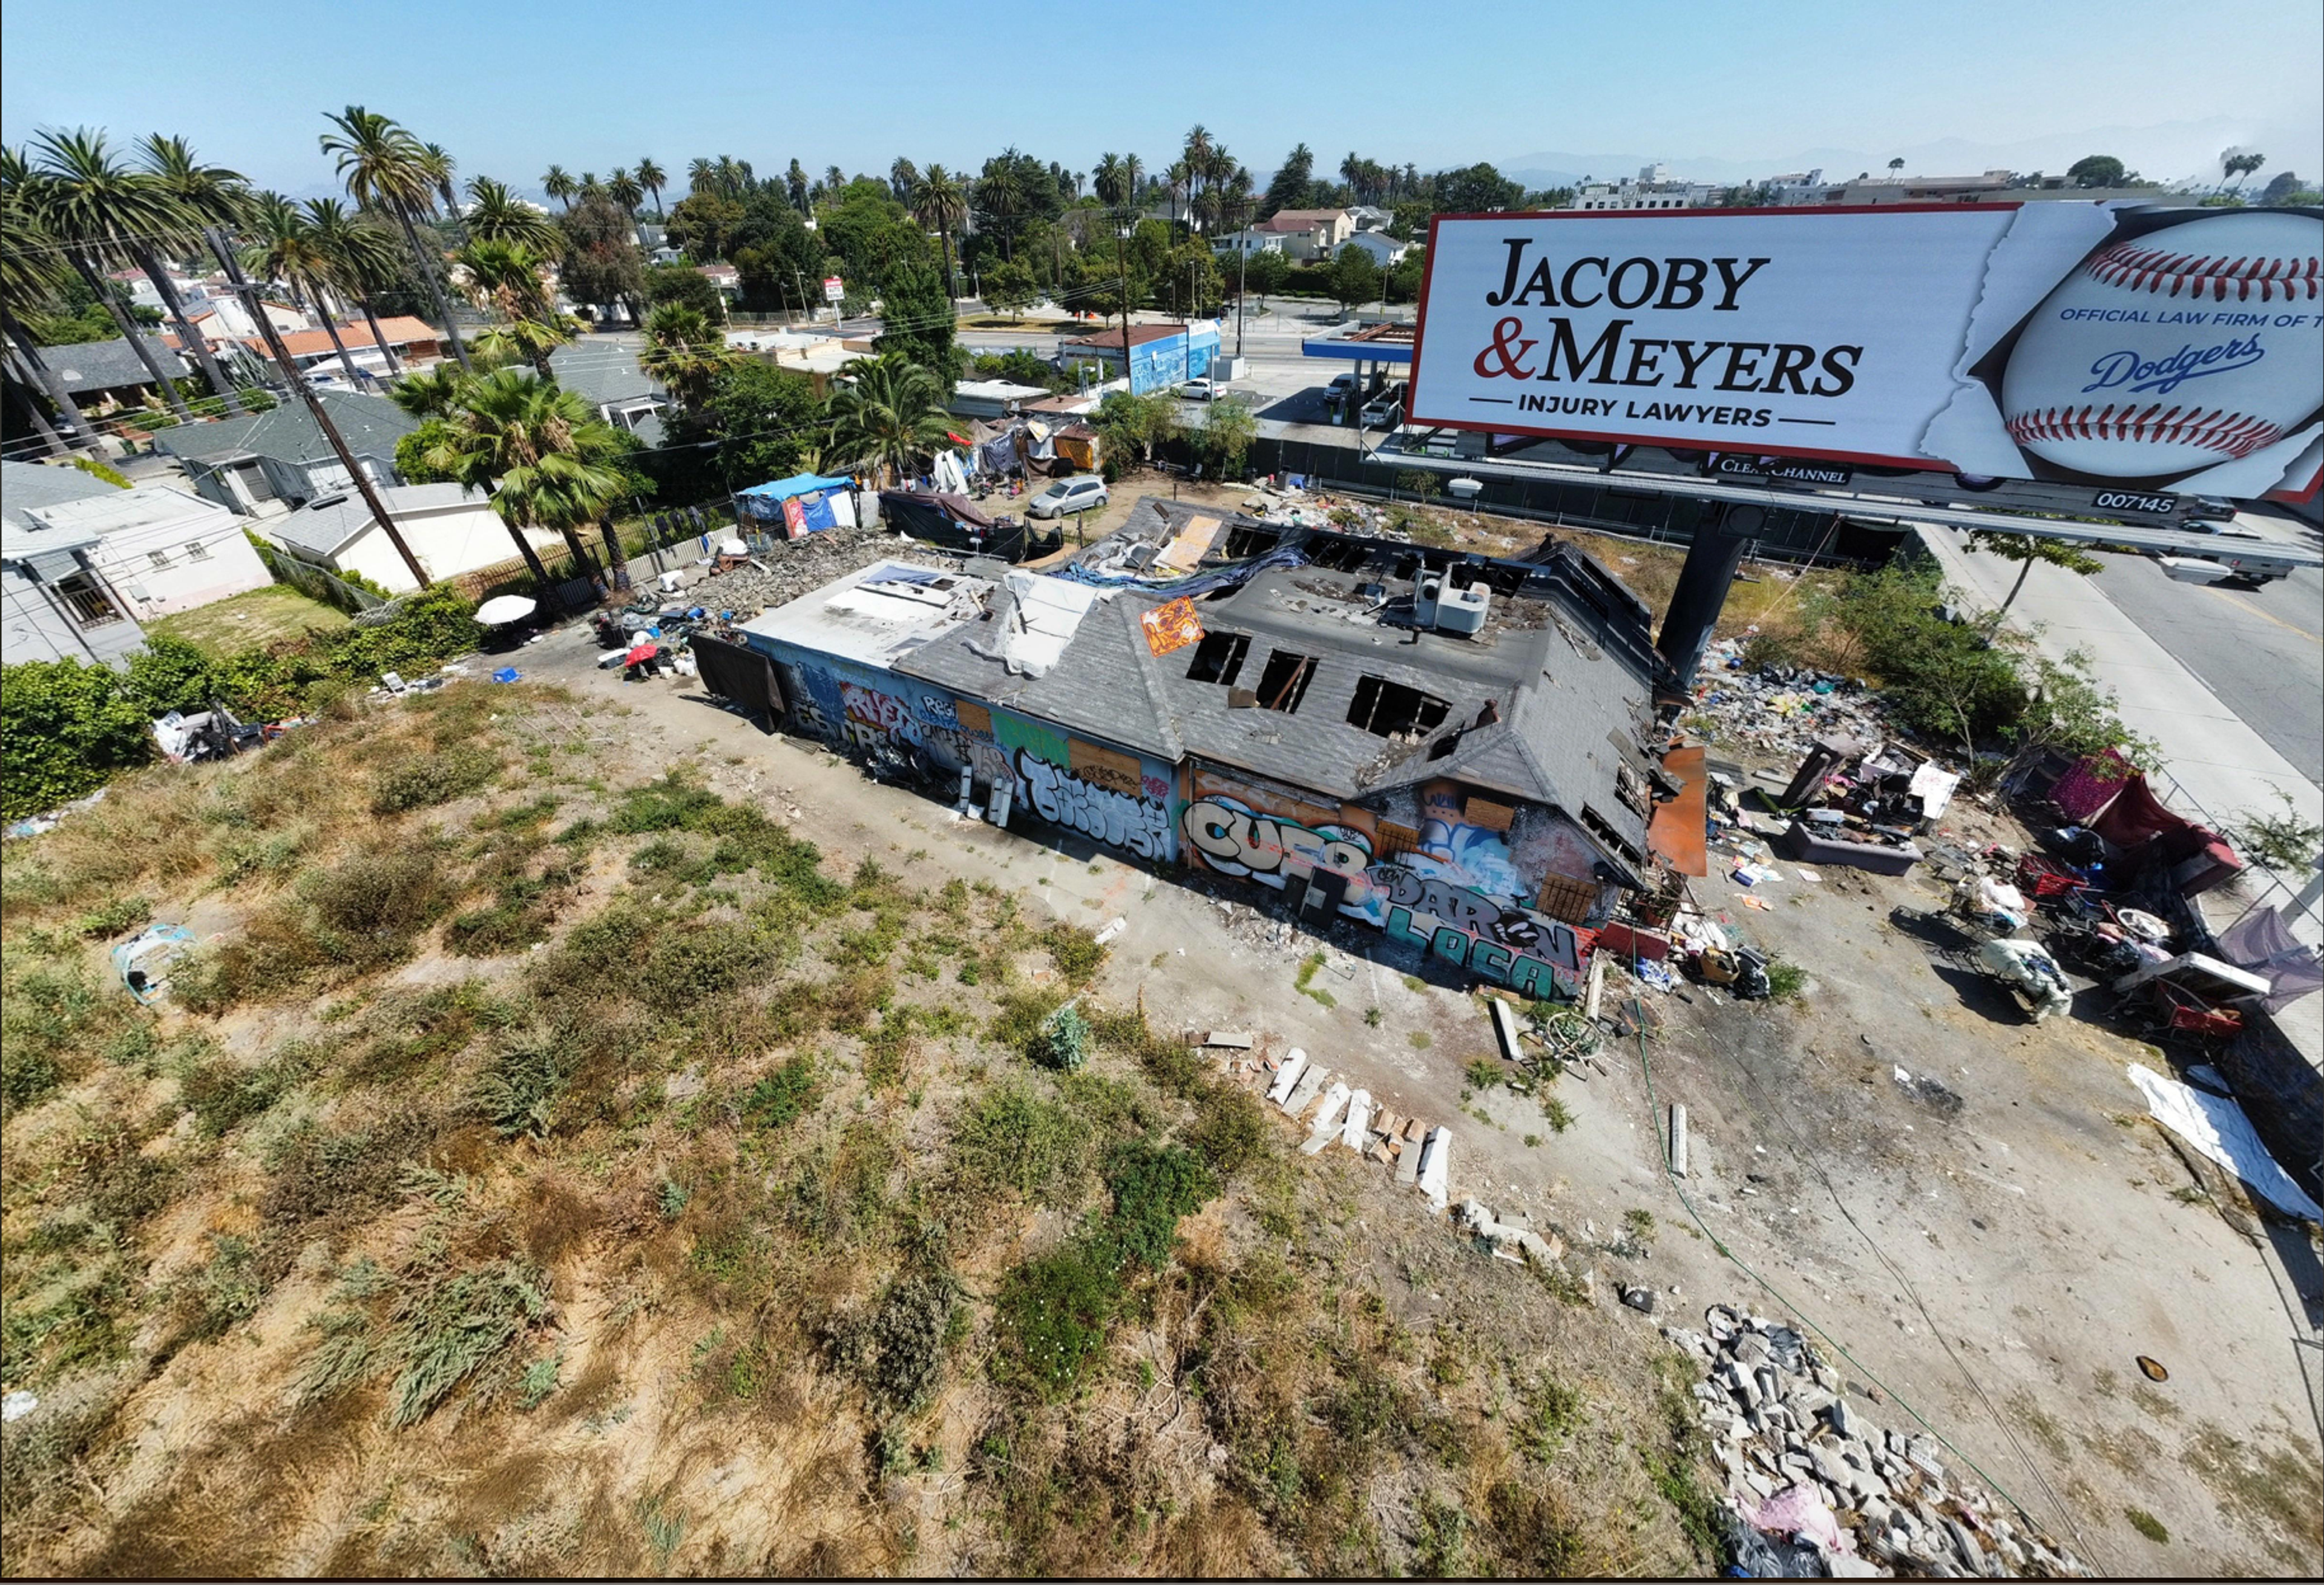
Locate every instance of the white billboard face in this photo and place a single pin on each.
(2170, 349)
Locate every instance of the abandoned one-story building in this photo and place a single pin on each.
(1450, 749)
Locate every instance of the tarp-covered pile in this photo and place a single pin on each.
(804, 503)
(955, 523)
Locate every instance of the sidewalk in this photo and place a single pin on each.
(2218, 769)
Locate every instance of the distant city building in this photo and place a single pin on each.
(1651, 189)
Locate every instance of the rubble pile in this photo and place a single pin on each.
(1810, 1473)
(1780, 708)
(800, 566)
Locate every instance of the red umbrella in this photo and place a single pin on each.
(646, 651)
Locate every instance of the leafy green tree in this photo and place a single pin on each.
(1266, 271)
(1287, 189)
(1354, 278)
(1010, 289)
(602, 266)
(1228, 429)
(891, 420)
(539, 451)
(687, 287)
(918, 324)
(1133, 427)
(777, 259)
(2096, 170)
(2025, 549)
(1405, 277)
(1474, 189)
(766, 423)
(700, 223)
(1021, 367)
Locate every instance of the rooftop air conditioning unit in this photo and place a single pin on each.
(1462, 610)
(1466, 489)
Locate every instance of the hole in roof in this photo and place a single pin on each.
(1285, 681)
(1219, 657)
(1390, 709)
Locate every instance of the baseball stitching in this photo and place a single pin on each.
(2136, 269)
(2235, 435)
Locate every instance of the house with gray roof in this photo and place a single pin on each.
(1454, 750)
(606, 373)
(56, 602)
(452, 529)
(279, 460)
(94, 370)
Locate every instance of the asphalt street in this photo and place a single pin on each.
(2260, 652)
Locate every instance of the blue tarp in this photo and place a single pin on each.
(796, 485)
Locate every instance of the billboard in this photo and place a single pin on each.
(2111, 345)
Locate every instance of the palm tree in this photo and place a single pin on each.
(834, 179)
(1181, 178)
(623, 189)
(206, 195)
(591, 188)
(360, 256)
(1198, 152)
(891, 417)
(388, 169)
(104, 214)
(795, 182)
(1000, 196)
(685, 352)
(650, 177)
(540, 453)
(32, 273)
(431, 394)
(286, 250)
(505, 278)
(436, 161)
(701, 175)
(939, 203)
(495, 214)
(903, 179)
(559, 186)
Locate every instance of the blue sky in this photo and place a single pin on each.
(510, 86)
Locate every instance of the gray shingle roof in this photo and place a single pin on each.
(107, 365)
(1570, 684)
(26, 487)
(321, 527)
(599, 372)
(289, 433)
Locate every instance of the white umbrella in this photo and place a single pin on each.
(503, 609)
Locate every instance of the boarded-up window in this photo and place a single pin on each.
(1488, 814)
(1394, 839)
(1105, 767)
(973, 717)
(1563, 897)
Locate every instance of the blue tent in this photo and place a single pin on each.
(813, 492)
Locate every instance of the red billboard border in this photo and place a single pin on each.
(1420, 324)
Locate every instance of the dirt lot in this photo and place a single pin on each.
(1998, 1269)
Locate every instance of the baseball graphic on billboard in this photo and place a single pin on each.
(2195, 345)
(2059, 340)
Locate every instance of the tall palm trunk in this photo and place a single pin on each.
(331, 330)
(616, 557)
(97, 283)
(196, 344)
(435, 289)
(27, 353)
(379, 336)
(50, 441)
(583, 567)
(540, 583)
(951, 295)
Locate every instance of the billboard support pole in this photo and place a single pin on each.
(1702, 584)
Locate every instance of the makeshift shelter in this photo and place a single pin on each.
(804, 503)
(955, 523)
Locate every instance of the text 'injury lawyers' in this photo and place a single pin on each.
(1549, 348)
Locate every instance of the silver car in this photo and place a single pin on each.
(1082, 493)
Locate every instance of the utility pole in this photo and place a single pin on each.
(1122, 264)
(248, 293)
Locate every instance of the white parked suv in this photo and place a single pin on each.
(1083, 493)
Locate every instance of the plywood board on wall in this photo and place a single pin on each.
(1106, 767)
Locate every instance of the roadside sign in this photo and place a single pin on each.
(833, 289)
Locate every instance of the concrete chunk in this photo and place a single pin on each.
(1326, 1120)
(1294, 1068)
(1505, 1028)
(1407, 1166)
(1359, 1117)
(1237, 1040)
(1437, 1166)
(1303, 1094)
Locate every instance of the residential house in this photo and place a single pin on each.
(145, 294)
(605, 375)
(992, 399)
(103, 376)
(1251, 240)
(1310, 234)
(1449, 749)
(1651, 189)
(1370, 217)
(55, 604)
(162, 548)
(278, 460)
(416, 345)
(727, 279)
(450, 528)
(1384, 249)
(225, 321)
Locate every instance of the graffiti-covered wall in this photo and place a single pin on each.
(1456, 874)
(1108, 795)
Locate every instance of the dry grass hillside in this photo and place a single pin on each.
(544, 1166)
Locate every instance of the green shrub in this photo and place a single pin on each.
(433, 778)
(1152, 1189)
(1010, 1139)
(897, 1349)
(690, 967)
(117, 916)
(518, 1092)
(446, 1330)
(1053, 1314)
(1229, 1128)
(1485, 1073)
(1065, 1040)
(774, 1100)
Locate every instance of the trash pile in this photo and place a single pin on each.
(1779, 708)
(1824, 1491)
(799, 566)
